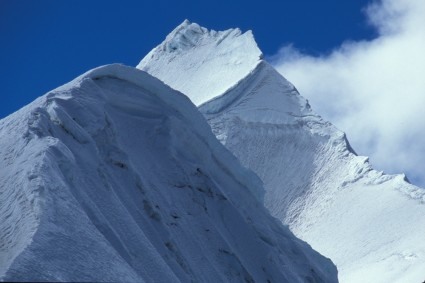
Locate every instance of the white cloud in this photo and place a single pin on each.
(373, 90)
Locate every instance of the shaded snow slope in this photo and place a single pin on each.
(370, 224)
(117, 177)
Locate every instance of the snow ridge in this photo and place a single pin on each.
(110, 192)
(197, 51)
(369, 223)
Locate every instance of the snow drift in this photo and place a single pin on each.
(117, 177)
(370, 224)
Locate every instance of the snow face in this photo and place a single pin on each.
(370, 224)
(198, 51)
(117, 177)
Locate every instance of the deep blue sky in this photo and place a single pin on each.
(46, 43)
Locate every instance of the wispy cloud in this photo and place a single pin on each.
(373, 90)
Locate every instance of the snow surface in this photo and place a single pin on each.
(116, 177)
(371, 225)
(191, 71)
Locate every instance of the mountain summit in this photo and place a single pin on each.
(198, 52)
(370, 224)
(116, 177)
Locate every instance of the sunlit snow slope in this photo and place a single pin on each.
(116, 177)
(193, 52)
(370, 224)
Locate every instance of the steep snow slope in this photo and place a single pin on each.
(370, 224)
(193, 72)
(117, 177)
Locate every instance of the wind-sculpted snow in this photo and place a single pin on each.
(370, 224)
(193, 52)
(116, 177)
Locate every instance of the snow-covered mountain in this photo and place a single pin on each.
(116, 177)
(371, 225)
